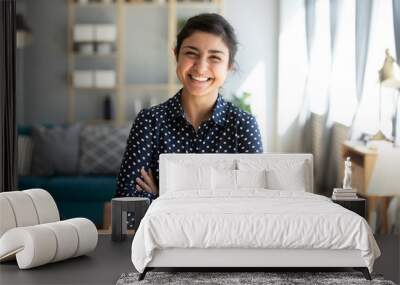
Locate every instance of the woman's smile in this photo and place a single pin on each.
(199, 78)
(200, 81)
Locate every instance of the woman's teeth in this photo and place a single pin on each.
(202, 79)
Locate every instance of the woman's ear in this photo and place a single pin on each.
(176, 54)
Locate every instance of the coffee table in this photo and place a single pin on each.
(102, 266)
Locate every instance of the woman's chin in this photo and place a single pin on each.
(200, 91)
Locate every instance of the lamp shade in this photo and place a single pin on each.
(389, 74)
(385, 178)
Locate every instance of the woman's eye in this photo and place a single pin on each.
(190, 53)
(215, 59)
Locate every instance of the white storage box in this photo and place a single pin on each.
(86, 48)
(83, 33)
(105, 33)
(104, 48)
(83, 78)
(105, 78)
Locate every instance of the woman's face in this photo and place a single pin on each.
(202, 64)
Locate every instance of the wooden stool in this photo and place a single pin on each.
(119, 209)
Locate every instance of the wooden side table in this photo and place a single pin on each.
(363, 163)
(119, 209)
(358, 206)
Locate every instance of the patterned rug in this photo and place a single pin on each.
(242, 278)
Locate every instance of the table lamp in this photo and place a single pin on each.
(389, 76)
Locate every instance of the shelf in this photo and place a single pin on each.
(94, 55)
(195, 5)
(184, 4)
(134, 87)
(146, 4)
(99, 121)
(150, 87)
(95, 89)
(93, 4)
(94, 42)
(124, 91)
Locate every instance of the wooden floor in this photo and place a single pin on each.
(106, 264)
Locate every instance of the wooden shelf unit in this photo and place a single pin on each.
(122, 88)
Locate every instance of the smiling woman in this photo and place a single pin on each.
(197, 119)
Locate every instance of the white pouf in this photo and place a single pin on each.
(31, 232)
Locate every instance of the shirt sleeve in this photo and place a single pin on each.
(249, 137)
(138, 154)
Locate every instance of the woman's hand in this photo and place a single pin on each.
(148, 183)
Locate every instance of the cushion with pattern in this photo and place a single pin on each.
(102, 149)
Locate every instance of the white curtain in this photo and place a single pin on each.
(292, 73)
(396, 26)
(316, 81)
(329, 56)
(381, 37)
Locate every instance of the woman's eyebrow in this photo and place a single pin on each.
(190, 47)
(214, 51)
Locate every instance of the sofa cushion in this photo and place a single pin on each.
(55, 150)
(102, 148)
(28, 182)
(73, 188)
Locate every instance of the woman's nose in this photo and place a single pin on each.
(201, 65)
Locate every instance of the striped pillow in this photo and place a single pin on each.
(25, 149)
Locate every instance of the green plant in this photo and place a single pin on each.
(240, 101)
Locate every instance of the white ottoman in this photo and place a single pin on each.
(31, 230)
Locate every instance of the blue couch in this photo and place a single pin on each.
(75, 196)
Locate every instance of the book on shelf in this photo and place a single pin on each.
(345, 198)
(344, 194)
(341, 190)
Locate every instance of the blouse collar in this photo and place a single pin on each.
(218, 116)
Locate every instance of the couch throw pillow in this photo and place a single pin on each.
(55, 150)
(102, 149)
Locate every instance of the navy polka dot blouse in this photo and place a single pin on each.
(164, 129)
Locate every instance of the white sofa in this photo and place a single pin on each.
(31, 231)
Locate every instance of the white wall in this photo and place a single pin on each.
(256, 23)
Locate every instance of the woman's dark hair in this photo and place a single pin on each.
(210, 23)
